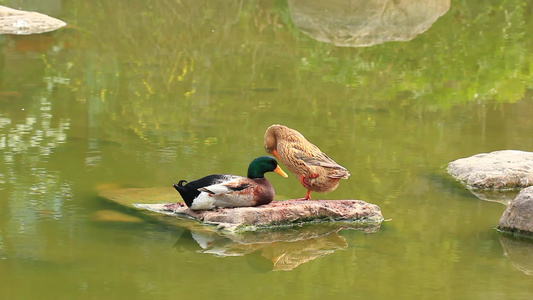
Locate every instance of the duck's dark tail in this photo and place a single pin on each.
(183, 190)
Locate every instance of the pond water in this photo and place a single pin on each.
(145, 93)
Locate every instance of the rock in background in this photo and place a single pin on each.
(495, 176)
(504, 176)
(19, 22)
(505, 169)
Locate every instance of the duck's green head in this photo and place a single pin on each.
(259, 166)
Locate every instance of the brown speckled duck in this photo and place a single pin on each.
(315, 170)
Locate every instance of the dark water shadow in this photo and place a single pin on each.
(363, 23)
(271, 250)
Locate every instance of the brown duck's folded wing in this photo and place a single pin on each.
(337, 171)
(339, 174)
(321, 160)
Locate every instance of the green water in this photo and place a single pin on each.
(144, 93)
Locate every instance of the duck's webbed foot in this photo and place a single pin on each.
(307, 196)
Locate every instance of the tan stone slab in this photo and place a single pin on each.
(284, 213)
(19, 22)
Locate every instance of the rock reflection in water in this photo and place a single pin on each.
(519, 251)
(501, 196)
(282, 249)
(363, 23)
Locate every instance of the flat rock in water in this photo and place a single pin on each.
(290, 233)
(277, 213)
(505, 169)
(19, 22)
(517, 218)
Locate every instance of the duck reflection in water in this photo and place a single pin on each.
(272, 251)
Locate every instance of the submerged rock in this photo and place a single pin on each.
(114, 216)
(505, 169)
(518, 217)
(13, 21)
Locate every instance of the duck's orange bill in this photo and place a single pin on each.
(275, 153)
(280, 172)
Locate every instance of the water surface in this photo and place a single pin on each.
(141, 94)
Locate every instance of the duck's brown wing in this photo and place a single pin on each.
(322, 160)
(302, 152)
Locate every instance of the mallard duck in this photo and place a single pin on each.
(222, 190)
(315, 170)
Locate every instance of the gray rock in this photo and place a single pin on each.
(518, 217)
(13, 21)
(278, 213)
(505, 169)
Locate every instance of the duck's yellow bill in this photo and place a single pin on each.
(280, 172)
